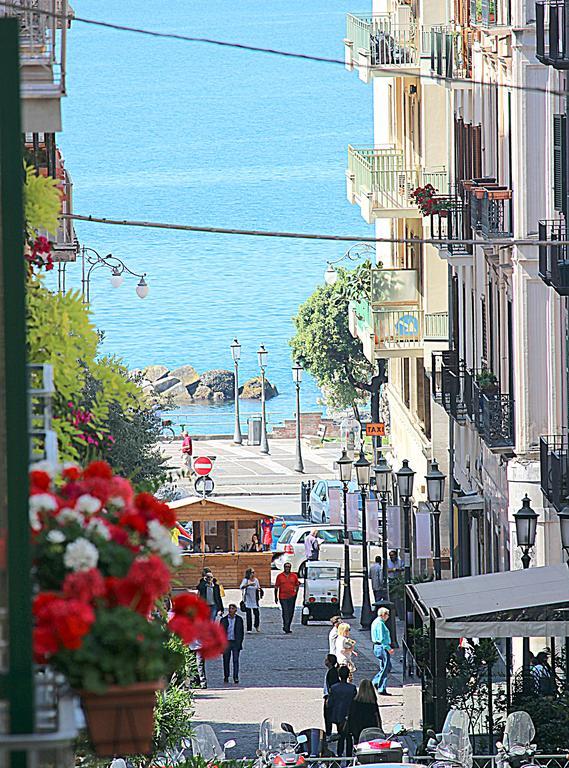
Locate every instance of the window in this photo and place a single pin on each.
(286, 535)
(329, 537)
(355, 537)
(559, 163)
(484, 350)
(323, 572)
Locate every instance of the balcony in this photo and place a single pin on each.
(551, 35)
(491, 412)
(379, 182)
(490, 208)
(449, 224)
(449, 55)
(392, 323)
(489, 13)
(447, 383)
(382, 44)
(42, 58)
(553, 261)
(554, 466)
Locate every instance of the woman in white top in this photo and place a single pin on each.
(251, 594)
(333, 634)
(345, 649)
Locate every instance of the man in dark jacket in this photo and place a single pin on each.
(208, 590)
(235, 631)
(339, 700)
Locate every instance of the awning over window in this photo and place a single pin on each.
(470, 501)
(523, 603)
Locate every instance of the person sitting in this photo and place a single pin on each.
(364, 711)
(255, 545)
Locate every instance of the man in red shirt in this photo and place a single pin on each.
(286, 589)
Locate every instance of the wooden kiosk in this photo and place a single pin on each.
(222, 536)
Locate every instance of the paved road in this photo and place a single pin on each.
(281, 677)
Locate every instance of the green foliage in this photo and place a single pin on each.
(550, 716)
(324, 345)
(486, 380)
(42, 202)
(172, 717)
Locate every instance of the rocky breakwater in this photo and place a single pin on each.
(184, 385)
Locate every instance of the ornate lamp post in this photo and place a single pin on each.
(262, 355)
(382, 472)
(363, 471)
(297, 378)
(526, 529)
(435, 495)
(91, 258)
(405, 478)
(345, 474)
(236, 355)
(354, 253)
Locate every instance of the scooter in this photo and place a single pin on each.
(452, 747)
(279, 749)
(206, 744)
(516, 750)
(375, 747)
(315, 740)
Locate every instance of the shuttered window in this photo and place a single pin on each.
(484, 350)
(559, 163)
(477, 152)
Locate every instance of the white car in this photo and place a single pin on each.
(319, 502)
(290, 547)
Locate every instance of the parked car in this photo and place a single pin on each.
(290, 547)
(319, 501)
(281, 524)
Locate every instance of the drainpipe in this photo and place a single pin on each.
(451, 343)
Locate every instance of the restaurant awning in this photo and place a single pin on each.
(521, 603)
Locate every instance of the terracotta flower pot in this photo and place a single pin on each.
(121, 720)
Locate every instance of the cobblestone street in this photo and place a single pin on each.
(281, 677)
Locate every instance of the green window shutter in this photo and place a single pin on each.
(559, 162)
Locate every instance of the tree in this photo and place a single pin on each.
(324, 345)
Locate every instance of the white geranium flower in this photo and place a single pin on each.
(97, 526)
(81, 555)
(88, 504)
(160, 541)
(44, 466)
(56, 537)
(35, 522)
(117, 501)
(42, 502)
(68, 515)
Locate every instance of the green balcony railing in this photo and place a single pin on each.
(380, 172)
(436, 325)
(387, 39)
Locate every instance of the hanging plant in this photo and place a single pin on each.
(427, 201)
(38, 254)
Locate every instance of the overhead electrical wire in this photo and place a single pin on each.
(500, 242)
(64, 18)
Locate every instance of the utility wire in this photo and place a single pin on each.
(501, 242)
(64, 18)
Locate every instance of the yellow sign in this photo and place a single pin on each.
(375, 430)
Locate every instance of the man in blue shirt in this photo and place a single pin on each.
(382, 650)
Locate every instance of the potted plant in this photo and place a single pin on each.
(428, 202)
(102, 565)
(487, 382)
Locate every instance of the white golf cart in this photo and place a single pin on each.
(321, 598)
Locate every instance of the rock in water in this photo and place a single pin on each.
(163, 385)
(155, 372)
(251, 390)
(186, 374)
(215, 385)
(178, 395)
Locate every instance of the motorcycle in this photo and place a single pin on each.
(279, 748)
(375, 747)
(452, 748)
(516, 750)
(206, 744)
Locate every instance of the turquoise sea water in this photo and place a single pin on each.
(200, 134)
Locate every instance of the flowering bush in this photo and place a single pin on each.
(427, 202)
(103, 558)
(38, 254)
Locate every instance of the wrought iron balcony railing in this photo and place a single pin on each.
(554, 259)
(450, 55)
(491, 412)
(554, 469)
(447, 383)
(382, 41)
(449, 223)
(490, 208)
(552, 45)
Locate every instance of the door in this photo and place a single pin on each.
(317, 502)
(356, 562)
(331, 547)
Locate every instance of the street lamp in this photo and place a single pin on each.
(563, 516)
(297, 378)
(345, 472)
(435, 495)
(330, 276)
(262, 354)
(354, 253)
(363, 472)
(382, 472)
(405, 478)
(236, 355)
(90, 257)
(526, 529)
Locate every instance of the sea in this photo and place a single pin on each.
(196, 133)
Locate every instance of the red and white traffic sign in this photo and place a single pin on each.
(202, 465)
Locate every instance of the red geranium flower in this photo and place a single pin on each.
(40, 481)
(84, 585)
(98, 469)
(192, 606)
(71, 473)
(213, 640)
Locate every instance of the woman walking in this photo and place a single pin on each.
(364, 711)
(345, 649)
(251, 594)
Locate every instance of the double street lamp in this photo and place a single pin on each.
(117, 267)
(405, 478)
(345, 473)
(297, 378)
(382, 472)
(435, 495)
(236, 355)
(363, 472)
(262, 355)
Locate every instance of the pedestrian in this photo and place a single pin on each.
(376, 576)
(312, 545)
(209, 590)
(187, 451)
(233, 626)
(200, 677)
(543, 675)
(382, 650)
(345, 649)
(335, 621)
(255, 545)
(286, 590)
(251, 594)
(395, 565)
(267, 533)
(330, 679)
(364, 711)
(339, 700)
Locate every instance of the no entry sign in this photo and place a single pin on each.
(202, 465)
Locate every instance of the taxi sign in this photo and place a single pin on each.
(375, 430)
